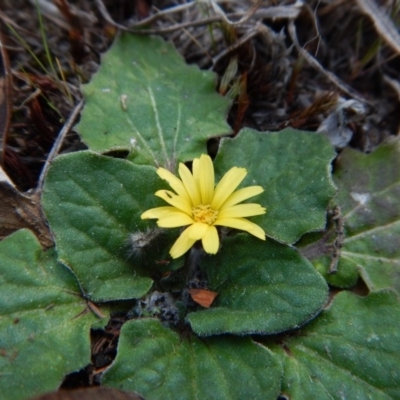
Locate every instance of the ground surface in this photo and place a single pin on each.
(285, 64)
(326, 65)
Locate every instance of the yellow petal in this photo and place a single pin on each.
(174, 182)
(206, 179)
(174, 219)
(175, 200)
(182, 245)
(196, 172)
(227, 185)
(210, 240)
(241, 210)
(241, 195)
(190, 184)
(156, 212)
(243, 225)
(197, 230)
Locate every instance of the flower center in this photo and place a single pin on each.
(204, 214)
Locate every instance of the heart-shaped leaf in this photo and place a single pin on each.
(263, 287)
(369, 193)
(294, 168)
(93, 203)
(159, 364)
(349, 352)
(44, 329)
(147, 100)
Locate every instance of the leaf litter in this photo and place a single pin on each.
(321, 66)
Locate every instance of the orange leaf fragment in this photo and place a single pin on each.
(203, 297)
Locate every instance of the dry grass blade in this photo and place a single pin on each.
(5, 97)
(272, 13)
(5, 178)
(50, 11)
(383, 24)
(244, 18)
(279, 12)
(58, 143)
(75, 32)
(248, 36)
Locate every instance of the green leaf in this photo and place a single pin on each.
(44, 331)
(349, 352)
(93, 203)
(159, 364)
(294, 168)
(263, 287)
(369, 193)
(147, 100)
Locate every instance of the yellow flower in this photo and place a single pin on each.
(199, 204)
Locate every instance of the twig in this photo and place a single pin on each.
(58, 143)
(160, 14)
(383, 24)
(107, 17)
(244, 16)
(176, 27)
(105, 14)
(338, 243)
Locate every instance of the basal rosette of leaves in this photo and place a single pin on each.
(144, 99)
(93, 202)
